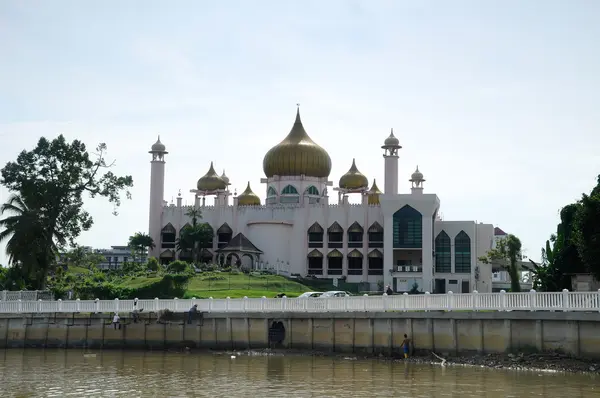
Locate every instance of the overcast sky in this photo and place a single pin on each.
(496, 101)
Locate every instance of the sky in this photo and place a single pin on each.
(495, 101)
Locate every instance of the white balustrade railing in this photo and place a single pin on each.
(527, 301)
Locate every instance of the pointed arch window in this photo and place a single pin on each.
(375, 232)
(168, 235)
(289, 194)
(334, 262)
(312, 190)
(315, 236)
(271, 192)
(375, 260)
(408, 228)
(224, 235)
(335, 235)
(462, 253)
(355, 235)
(443, 257)
(355, 262)
(315, 262)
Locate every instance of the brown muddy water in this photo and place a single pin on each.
(74, 373)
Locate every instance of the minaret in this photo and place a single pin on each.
(390, 154)
(416, 180)
(157, 190)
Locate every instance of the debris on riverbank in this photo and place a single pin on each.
(535, 361)
(549, 361)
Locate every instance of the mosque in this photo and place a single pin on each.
(390, 238)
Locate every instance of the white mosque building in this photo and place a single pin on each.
(390, 238)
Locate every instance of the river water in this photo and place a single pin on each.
(73, 373)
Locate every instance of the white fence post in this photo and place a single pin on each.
(78, 305)
(449, 301)
(474, 300)
(263, 300)
(156, 304)
(176, 302)
(59, 305)
(405, 301)
(346, 300)
(565, 300)
(427, 294)
(20, 305)
(245, 306)
(210, 304)
(284, 304)
(384, 301)
(503, 300)
(116, 305)
(364, 300)
(97, 305)
(598, 301)
(532, 300)
(227, 304)
(39, 306)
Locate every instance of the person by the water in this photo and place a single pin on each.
(406, 346)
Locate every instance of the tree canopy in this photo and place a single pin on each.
(48, 184)
(507, 254)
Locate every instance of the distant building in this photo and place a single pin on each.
(113, 257)
(500, 276)
(117, 255)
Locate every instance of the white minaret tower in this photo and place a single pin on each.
(416, 180)
(157, 190)
(390, 154)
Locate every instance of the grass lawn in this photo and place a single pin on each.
(221, 285)
(78, 270)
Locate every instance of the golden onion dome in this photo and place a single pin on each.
(211, 181)
(297, 155)
(353, 179)
(373, 194)
(225, 178)
(248, 198)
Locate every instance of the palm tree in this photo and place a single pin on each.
(30, 244)
(194, 238)
(140, 243)
(195, 214)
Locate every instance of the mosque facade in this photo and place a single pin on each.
(389, 239)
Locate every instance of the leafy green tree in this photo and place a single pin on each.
(153, 264)
(507, 254)
(51, 179)
(178, 267)
(27, 240)
(195, 237)
(586, 231)
(79, 256)
(140, 243)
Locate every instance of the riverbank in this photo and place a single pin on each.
(548, 362)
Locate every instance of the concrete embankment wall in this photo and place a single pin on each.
(448, 333)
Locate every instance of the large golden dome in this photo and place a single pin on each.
(248, 198)
(353, 179)
(297, 155)
(373, 194)
(211, 181)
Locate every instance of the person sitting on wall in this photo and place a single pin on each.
(192, 313)
(280, 295)
(389, 291)
(116, 321)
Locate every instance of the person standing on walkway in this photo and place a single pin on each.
(116, 321)
(192, 313)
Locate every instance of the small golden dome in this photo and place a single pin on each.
(248, 198)
(211, 181)
(353, 179)
(225, 178)
(297, 155)
(373, 194)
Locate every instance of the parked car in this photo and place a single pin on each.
(335, 293)
(310, 294)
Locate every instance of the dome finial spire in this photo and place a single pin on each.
(298, 113)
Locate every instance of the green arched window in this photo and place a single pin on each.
(312, 190)
(289, 190)
(443, 257)
(462, 253)
(408, 228)
(271, 192)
